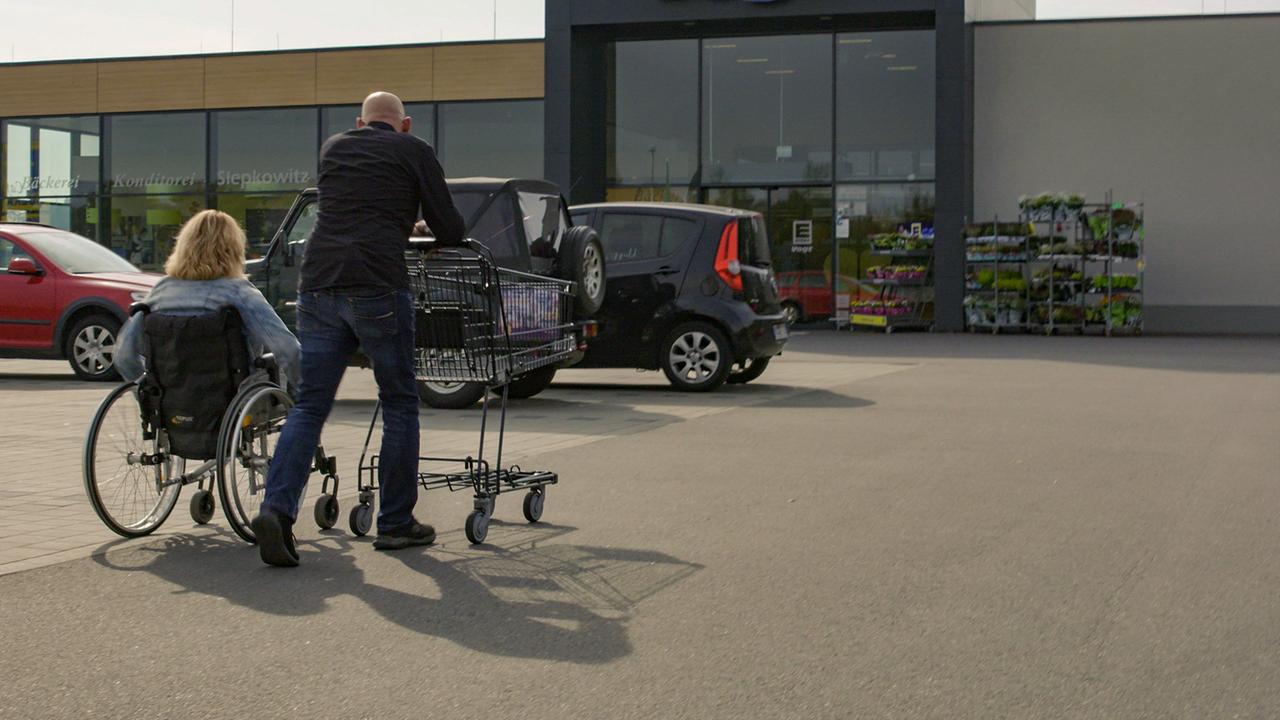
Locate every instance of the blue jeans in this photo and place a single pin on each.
(331, 325)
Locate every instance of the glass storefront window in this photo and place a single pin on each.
(162, 153)
(642, 193)
(766, 109)
(800, 224)
(494, 139)
(260, 214)
(756, 199)
(74, 214)
(143, 226)
(873, 209)
(340, 118)
(265, 150)
(51, 157)
(885, 100)
(653, 112)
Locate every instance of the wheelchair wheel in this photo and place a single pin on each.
(250, 431)
(127, 475)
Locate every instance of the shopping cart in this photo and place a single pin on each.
(478, 323)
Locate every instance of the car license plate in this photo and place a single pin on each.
(779, 332)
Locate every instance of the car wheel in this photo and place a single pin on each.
(450, 396)
(530, 384)
(748, 370)
(696, 357)
(792, 312)
(582, 261)
(91, 347)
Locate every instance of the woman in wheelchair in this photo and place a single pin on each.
(205, 274)
(207, 363)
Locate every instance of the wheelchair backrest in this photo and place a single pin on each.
(195, 365)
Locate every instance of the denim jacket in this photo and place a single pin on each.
(264, 330)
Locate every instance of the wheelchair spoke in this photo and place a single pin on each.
(127, 494)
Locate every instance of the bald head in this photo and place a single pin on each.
(384, 107)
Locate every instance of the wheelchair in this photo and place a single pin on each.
(203, 413)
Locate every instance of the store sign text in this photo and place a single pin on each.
(45, 185)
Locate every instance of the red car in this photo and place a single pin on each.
(64, 296)
(806, 294)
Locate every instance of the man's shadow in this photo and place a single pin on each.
(532, 600)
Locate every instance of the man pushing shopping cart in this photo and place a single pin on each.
(354, 291)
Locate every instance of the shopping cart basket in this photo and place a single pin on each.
(479, 323)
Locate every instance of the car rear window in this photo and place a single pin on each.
(676, 232)
(753, 241)
(75, 254)
(629, 237)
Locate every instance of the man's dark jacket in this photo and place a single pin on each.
(374, 183)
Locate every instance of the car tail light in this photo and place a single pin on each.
(728, 266)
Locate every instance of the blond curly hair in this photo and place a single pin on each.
(210, 246)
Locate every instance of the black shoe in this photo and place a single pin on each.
(411, 535)
(275, 539)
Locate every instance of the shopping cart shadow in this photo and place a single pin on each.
(531, 597)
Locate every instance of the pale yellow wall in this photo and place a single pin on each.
(488, 71)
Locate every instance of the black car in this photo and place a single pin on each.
(524, 223)
(691, 291)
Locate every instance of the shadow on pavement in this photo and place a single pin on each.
(1217, 354)
(529, 598)
(762, 394)
(45, 382)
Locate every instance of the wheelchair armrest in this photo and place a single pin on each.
(267, 361)
(139, 307)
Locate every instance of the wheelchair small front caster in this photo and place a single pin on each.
(477, 526)
(360, 520)
(533, 502)
(202, 506)
(326, 511)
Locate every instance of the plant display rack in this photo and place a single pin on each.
(1064, 266)
(996, 288)
(905, 298)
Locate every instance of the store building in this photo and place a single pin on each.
(124, 151)
(836, 119)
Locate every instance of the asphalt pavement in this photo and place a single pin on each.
(905, 526)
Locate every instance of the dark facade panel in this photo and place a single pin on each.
(579, 33)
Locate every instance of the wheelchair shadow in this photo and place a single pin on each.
(530, 598)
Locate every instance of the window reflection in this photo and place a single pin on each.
(162, 153)
(51, 157)
(260, 214)
(653, 112)
(73, 214)
(874, 209)
(264, 150)
(340, 118)
(143, 227)
(885, 100)
(766, 109)
(491, 139)
(646, 193)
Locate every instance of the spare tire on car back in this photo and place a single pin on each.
(581, 259)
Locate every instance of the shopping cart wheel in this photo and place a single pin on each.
(202, 506)
(326, 511)
(477, 527)
(361, 519)
(533, 502)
